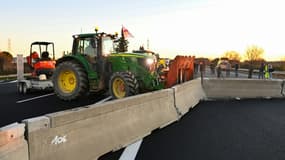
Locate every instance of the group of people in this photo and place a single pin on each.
(265, 71)
(227, 68)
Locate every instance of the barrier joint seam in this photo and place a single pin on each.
(282, 88)
(176, 108)
(26, 137)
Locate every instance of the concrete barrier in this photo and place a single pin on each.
(13, 146)
(89, 132)
(188, 95)
(278, 74)
(242, 88)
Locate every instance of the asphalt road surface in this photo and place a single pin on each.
(220, 130)
(15, 107)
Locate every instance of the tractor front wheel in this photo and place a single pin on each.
(123, 84)
(70, 81)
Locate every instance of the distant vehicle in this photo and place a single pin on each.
(43, 67)
(223, 64)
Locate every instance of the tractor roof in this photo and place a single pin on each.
(138, 55)
(85, 35)
(88, 35)
(143, 51)
(41, 43)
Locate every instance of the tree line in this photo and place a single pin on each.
(6, 65)
(253, 57)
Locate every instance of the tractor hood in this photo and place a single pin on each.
(137, 55)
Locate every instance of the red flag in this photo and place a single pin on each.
(126, 32)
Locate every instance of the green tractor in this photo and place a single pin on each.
(93, 66)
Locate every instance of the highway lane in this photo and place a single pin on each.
(222, 130)
(247, 129)
(116, 155)
(14, 109)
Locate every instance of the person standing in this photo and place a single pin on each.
(219, 71)
(270, 70)
(228, 69)
(261, 71)
(202, 68)
(212, 67)
(202, 71)
(196, 67)
(266, 71)
(236, 69)
(250, 71)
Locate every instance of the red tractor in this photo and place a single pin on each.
(43, 67)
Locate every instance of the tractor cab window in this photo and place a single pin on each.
(88, 47)
(107, 46)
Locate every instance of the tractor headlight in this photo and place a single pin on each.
(149, 61)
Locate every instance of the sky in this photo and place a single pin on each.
(201, 28)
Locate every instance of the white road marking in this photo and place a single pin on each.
(104, 100)
(30, 99)
(46, 95)
(131, 151)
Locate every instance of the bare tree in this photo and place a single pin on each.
(232, 55)
(254, 53)
(5, 60)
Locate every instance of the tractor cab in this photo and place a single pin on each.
(42, 59)
(93, 45)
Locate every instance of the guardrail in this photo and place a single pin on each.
(275, 74)
(91, 131)
(13, 76)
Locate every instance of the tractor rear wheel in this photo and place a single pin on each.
(70, 81)
(123, 84)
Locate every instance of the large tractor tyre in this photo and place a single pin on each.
(70, 81)
(123, 84)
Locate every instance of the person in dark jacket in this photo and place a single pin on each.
(236, 69)
(261, 71)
